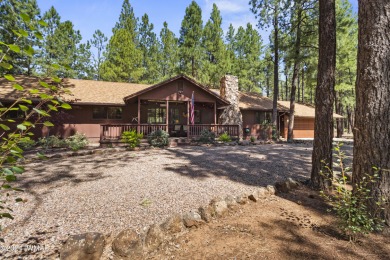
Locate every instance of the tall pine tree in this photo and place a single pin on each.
(191, 51)
(123, 61)
(215, 65)
(169, 53)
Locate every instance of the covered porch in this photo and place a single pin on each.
(168, 106)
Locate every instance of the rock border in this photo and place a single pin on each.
(129, 244)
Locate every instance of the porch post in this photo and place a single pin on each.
(215, 113)
(167, 115)
(188, 119)
(139, 116)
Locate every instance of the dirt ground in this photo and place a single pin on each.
(289, 226)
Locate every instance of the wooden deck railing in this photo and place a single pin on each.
(114, 132)
(232, 130)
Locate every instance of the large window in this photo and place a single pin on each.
(263, 117)
(156, 115)
(107, 113)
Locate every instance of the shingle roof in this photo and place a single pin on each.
(254, 101)
(304, 110)
(83, 91)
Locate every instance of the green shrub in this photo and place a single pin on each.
(206, 136)
(26, 143)
(158, 138)
(76, 142)
(351, 206)
(225, 137)
(253, 139)
(132, 138)
(51, 142)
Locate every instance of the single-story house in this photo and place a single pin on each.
(103, 110)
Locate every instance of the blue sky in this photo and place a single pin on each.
(89, 15)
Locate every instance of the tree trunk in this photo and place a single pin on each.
(324, 98)
(349, 119)
(268, 85)
(276, 72)
(295, 77)
(303, 85)
(339, 121)
(286, 85)
(372, 117)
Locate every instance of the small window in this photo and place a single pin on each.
(107, 113)
(263, 117)
(14, 114)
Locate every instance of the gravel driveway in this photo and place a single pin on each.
(114, 191)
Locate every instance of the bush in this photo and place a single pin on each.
(51, 142)
(225, 137)
(77, 141)
(206, 136)
(26, 143)
(253, 139)
(132, 138)
(158, 138)
(351, 206)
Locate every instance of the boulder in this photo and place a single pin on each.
(230, 201)
(206, 213)
(244, 142)
(271, 190)
(154, 237)
(88, 246)
(219, 207)
(258, 194)
(128, 244)
(192, 219)
(242, 199)
(173, 224)
(286, 186)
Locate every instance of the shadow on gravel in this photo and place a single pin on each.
(251, 165)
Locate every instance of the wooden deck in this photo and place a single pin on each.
(112, 133)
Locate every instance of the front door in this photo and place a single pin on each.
(177, 118)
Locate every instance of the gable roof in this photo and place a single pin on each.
(82, 91)
(173, 79)
(302, 110)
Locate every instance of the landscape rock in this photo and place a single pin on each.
(230, 201)
(271, 190)
(88, 246)
(192, 219)
(173, 224)
(244, 142)
(128, 244)
(206, 213)
(242, 199)
(219, 206)
(154, 237)
(286, 186)
(258, 194)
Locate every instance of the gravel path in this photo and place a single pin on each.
(111, 192)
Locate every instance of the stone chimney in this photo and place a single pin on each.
(231, 115)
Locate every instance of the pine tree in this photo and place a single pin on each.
(191, 51)
(123, 61)
(324, 101)
(99, 42)
(271, 12)
(215, 65)
(169, 53)
(230, 56)
(10, 21)
(47, 53)
(148, 44)
(346, 33)
(247, 48)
